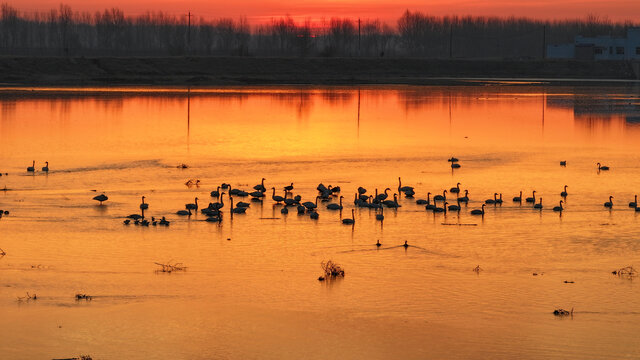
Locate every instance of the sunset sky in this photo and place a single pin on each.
(389, 11)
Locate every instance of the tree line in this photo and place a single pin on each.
(62, 31)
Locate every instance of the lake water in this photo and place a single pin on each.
(251, 291)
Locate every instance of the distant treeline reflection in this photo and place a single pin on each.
(62, 31)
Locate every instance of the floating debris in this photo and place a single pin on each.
(628, 271)
(79, 357)
(477, 269)
(84, 297)
(2, 252)
(168, 268)
(183, 166)
(562, 312)
(569, 282)
(28, 297)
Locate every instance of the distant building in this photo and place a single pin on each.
(599, 48)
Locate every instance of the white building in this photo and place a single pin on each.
(599, 48)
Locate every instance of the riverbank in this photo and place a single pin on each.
(203, 71)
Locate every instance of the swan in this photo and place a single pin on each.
(277, 198)
(32, 168)
(143, 205)
(218, 205)
(351, 221)
(442, 197)
(455, 165)
(455, 190)
(465, 198)
(492, 201)
(405, 244)
(403, 188)
(518, 198)
(634, 203)
(314, 215)
(225, 186)
(361, 190)
(558, 208)
(257, 194)
(101, 198)
(288, 188)
(564, 193)
(392, 203)
(260, 187)
(214, 218)
(453, 159)
(301, 209)
(454, 207)
(478, 211)
(409, 193)
(184, 212)
(193, 206)
(335, 189)
(243, 204)
(609, 203)
(531, 199)
(284, 210)
(384, 195)
(378, 243)
(604, 168)
(538, 205)
(46, 167)
(499, 200)
(216, 193)
(441, 209)
(336, 206)
(237, 210)
(309, 205)
(423, 201)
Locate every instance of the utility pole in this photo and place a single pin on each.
(544, 42)
(189, 31)
(358, 36)
(451, 41)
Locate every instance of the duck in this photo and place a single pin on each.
(563, 163)
(609, 204)
(378, 243)
(564, 193)
(604, 168)
(351, 221)
(336, 206)
(478, 211)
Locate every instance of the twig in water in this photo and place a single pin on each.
(562, 312)
(331, 270)
(627, 271)
(168, 268)
(84, 297)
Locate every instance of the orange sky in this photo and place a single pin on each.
(387, 10)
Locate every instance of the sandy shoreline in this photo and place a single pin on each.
(228, 71)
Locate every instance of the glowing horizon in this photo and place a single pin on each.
(261, 11)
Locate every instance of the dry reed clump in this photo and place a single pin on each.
(331, 270)
(562, 312)
(168, 268)
(628, 271)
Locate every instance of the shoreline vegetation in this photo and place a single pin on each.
(239, 71)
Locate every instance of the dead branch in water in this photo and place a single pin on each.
(331, 270)
(171, 267)
(83, 297)
(28, 297)
(2, 253)
(477, 269)
(627, 271)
